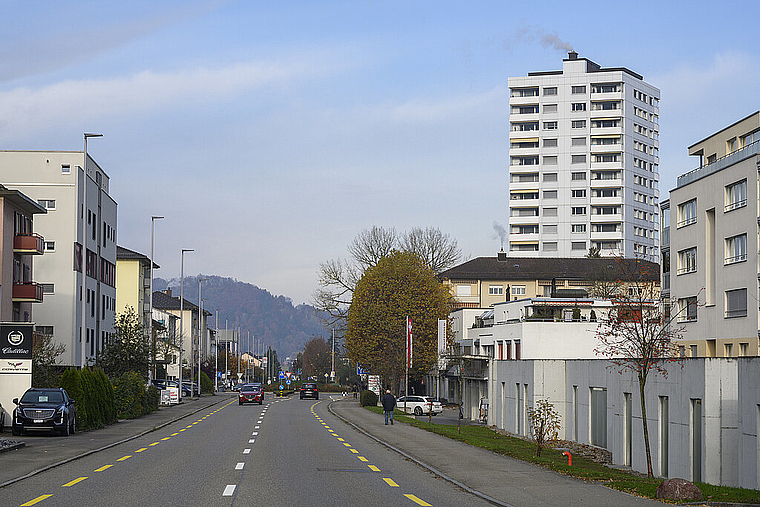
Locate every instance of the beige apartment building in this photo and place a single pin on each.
(714, 216)
(133, 274)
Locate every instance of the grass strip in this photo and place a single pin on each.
(583, 468)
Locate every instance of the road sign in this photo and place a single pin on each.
(287, 381)
(362, 369)
(218, 374)
(281, 387)
(288, 374)
(282, 374)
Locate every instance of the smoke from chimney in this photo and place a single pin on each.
(501, 232)
(547, 39)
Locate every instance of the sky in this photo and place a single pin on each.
(269, 134)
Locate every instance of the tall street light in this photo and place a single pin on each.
(216, 350)
(151, 344)
(181, 316)
(200, 329)
(83, 329)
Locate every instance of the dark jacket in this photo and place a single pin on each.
(389, 402)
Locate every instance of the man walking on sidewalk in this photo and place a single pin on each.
(389, 403)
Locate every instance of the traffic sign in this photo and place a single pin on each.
(362, 369)
(287, 381)
(288, 374)
(282, 374)
(281, 387)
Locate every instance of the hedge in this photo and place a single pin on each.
(93, 396)
(368, 399)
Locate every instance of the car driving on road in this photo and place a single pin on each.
(251, 393)
(44, 409)
(420, 405)
(309, 390)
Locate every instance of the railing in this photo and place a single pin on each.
(718, 164)
(687, 221)
(689, 269)
(736, 204)
(32, 244)
(735, 258)
(27, 292)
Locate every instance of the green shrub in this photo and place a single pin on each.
(129, 391)
(151, 399)
(368, 399)
(71, 380)
(206, 385)
(106, 395)
(95, 417)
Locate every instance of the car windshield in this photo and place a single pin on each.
(251, 387)
(309, 386)
(42, 397)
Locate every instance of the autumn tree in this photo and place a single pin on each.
(128, 350)
(544, 424)
(399, 285)
(45, 352)
(338, 277)
(316, 358)
(638, 333)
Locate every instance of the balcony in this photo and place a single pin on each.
(29, 292)
(28, 244)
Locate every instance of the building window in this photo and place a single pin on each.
(609, 157)
(687, 309)
(687, 213)
(736, 249)
(524, 178)
(550, 160)
(578, 89)
(50, 246)
(579, 193)
(578, 228)
(550, 143)
(736, 303)
(578, 124)
(65, 168)
(578, 176)
(48, 288)
(606, 87)
(518, 290)
(744, 349)
(550, 246)
(525, 229)
(578, 141)
(45, 330)
(77, 257)
(495, 290)
(550, 90)
(578, 106)
(578, 210)
(728, 349)
(524, 92)
(550, 212)
(48, 204)
(736, 195)
(550, 177)
(550, 229)
(523, 247)
(550, 108)
(550, 194)
(687, 261)
(578, 245)
(464, 290)
(550, 125)
(578, 159)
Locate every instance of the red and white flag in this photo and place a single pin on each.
(409, 342)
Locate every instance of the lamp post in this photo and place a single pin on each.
(181, 314)
(216, 350)
(226, 353)
(200, 329)
(150, 302)
(83, 294)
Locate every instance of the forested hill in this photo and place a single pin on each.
(271, 318)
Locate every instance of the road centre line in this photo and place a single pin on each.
(166, 438)
(417, 500)
(75, 481)
(362, 458)
(373, 468)
(251, 440)
(391, 482)
(104, 467)
(239, 466)
(229, 490)
(124, 458)
(35, 500)
(247, 451)
(141, 449)
(154, 443)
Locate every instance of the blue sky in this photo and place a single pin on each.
(270, 133)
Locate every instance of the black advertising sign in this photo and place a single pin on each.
(16, 340)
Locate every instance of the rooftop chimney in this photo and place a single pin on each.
(168, 292)
(502, 257)
(572, 55)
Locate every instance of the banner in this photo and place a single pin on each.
(16, 340)
(441, 343)
(409, 342)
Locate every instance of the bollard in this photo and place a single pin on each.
(569, 458)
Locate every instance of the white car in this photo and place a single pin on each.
(419, 405)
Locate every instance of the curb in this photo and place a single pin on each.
(114, 444)
(13, 447)
(424, 465)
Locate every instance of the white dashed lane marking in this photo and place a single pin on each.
(246, 451)
(239, 466)
(229, 490)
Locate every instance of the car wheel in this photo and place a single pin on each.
(15, 431)
(74, 425)
(240, 402)
(66, 428)
(301, 397)
(417, 410)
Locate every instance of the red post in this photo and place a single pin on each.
(569, 458)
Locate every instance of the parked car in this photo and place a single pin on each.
(44, 409)
(419, 405)
(251, 393)
(163, 384)
(309, 390)
(237, 386)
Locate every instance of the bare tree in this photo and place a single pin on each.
(372, 245)
(638, 333)
(438, 250)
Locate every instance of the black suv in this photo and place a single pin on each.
(309, 390)
(44, 409)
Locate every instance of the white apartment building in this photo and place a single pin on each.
(714, 270)
(583, 155)
(56, 180)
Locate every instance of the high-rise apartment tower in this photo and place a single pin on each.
(583, 162)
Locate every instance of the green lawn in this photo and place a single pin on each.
(582, 468)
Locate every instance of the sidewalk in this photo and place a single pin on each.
(504, 480)
(43, 451)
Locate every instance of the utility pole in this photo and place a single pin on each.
(182, 315)
(332, 358)
(216, 350)
(226, 353)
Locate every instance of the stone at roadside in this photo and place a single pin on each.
(678, 489)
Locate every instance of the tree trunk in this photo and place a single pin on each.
(642, 384)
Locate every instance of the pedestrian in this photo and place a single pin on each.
(389, 403)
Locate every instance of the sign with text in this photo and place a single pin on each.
(16, 340)
(441, 343)
(409, 342)
(16, 366)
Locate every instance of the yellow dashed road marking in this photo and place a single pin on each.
(341, 440)
(75, 481)
(104, 467)
(154, 443)
(373, 468)
(142, 449)
(166, 438)
(36, 500)
(354, 451)
(417, 500)
(124, 458)
(175, 434)
(362, 458)
(183, 429)
(390, 482)
(346, 444)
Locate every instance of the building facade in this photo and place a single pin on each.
(188, 333)
(19, 244)
(584, 162)
(80, 244)
(714, 270)
(133, 275)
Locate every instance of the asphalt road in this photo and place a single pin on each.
(287, 452)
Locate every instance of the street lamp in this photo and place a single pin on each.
(200, 329)
(216, 350)
(150, 302)
(181, 314)
(83, 294)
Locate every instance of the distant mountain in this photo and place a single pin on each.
(270, 318)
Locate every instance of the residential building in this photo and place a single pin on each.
(19, 244)
(484, 281)
(80, 244)
(133, 275)
(188, 333)
(714, 216)
(165, 326)
(583, 162)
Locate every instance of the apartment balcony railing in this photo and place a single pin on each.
(28, 292)
(28, 244)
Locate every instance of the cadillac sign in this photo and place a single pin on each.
(15, 341)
